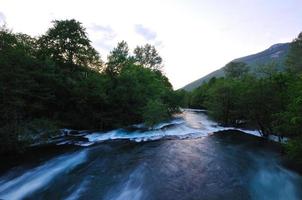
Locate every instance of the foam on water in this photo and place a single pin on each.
(35, 179)
(140, 136)
(190, 125)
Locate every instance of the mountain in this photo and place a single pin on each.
(276, 53)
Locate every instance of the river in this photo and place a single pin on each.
(178, 160)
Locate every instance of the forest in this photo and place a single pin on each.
(59, 80)
(269, 100)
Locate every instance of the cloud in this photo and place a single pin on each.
(108, 32)
(145, 32)
(102, 36)
(2, 19)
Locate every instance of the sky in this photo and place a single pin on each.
(194, 37)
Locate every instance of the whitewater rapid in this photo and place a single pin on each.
(182, 126)
(181, 163)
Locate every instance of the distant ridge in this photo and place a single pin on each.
(276, 53)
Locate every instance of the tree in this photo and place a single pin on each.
(37, 96)
(199, 96)
(154, 112)
(294, 58)
(289, 119)
(235, 69)
(16, 42)
(134, 87)
(67, 42)
(222, 100)
(148, 56)
(117, 58)
(267, 70)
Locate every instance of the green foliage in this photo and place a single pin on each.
(183, 98)
(294, 59)
(67, 42)
(289, 120)
(198, 97)
(294, 150)
(266, 70)
(134, 86)
(148, 56)
(224, 98)
(154, 112)
(236, 70)
(117, 59)
(56, 81)
(269, 100)
(247, 98)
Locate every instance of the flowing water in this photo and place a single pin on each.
(180, 159)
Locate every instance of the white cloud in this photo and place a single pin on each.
(103, 37)
(2, 19)
(145, 32)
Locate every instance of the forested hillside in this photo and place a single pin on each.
(276, 53)
(270, 101)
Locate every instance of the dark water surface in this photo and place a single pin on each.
(181, 160)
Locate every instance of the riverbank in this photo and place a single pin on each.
(191, 123)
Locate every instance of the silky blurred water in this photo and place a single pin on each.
(185, 161)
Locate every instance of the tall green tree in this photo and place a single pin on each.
(222, 100)
(117, 59)
(67, 42)
(148, 56)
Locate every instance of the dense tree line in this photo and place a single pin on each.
(59, 80)
(269, 100)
